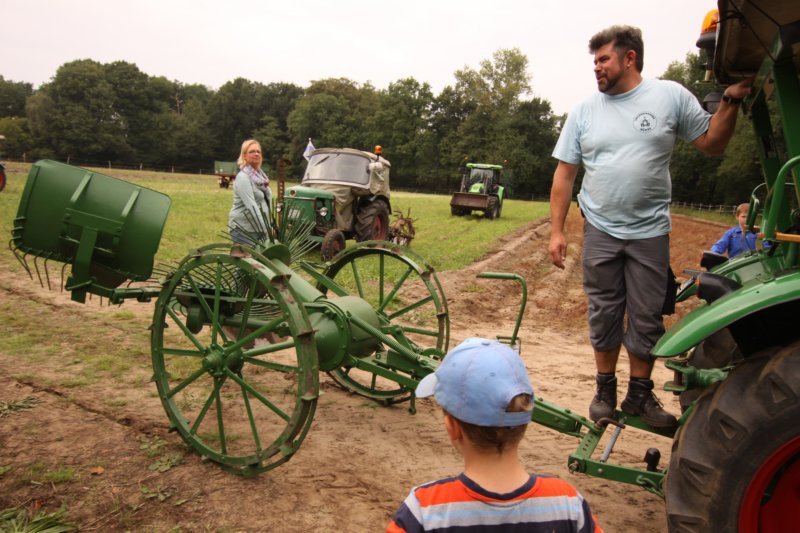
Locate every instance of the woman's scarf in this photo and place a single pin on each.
(258, 178)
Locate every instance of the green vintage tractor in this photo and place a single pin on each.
(480, 190)
(735, 461)
(345, 194)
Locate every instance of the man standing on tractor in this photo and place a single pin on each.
(624, 136)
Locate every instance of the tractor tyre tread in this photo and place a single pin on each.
(734, 427)
(492, 208)
(333, 243)
(365, 221)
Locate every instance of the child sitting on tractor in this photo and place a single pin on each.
(737, 239)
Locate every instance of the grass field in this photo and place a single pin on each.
(199, 215)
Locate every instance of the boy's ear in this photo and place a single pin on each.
(453, 427)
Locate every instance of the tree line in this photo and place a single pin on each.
(90, 111)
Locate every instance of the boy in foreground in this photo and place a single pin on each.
(487, 398)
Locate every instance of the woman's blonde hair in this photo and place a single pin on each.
(245, 146)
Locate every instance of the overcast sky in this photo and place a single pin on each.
(297, 41)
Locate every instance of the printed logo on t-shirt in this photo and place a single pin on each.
(645, 122)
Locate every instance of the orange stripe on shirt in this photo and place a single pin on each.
(450, 491)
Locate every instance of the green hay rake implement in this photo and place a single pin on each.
(374, 318)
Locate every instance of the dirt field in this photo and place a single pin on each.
(123, 470)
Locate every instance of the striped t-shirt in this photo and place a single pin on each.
(543, 503)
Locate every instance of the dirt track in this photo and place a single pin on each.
(359, 460)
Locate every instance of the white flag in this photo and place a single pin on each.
(309, 150)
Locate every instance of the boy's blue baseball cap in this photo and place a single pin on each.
(476, 381)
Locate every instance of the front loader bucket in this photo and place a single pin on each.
(107, 229)
(469, 200)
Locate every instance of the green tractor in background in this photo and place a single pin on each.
(345, 194)
(480, 190)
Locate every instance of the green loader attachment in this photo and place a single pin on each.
(107, 229)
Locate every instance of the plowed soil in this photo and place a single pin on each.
(359, 459)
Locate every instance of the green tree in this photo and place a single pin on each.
(740, 170)
(272, 139)
(40, 112)
(141, 102)
(496, 89)
(235, 111)
(333, 112)
(12, 97)
(488, 117)
(83, 117)
(279, 99)
(18, 142)
(702, 179)
(534, 129)
(400, 124)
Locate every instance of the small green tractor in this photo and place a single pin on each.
(345, 193)
(480, 190)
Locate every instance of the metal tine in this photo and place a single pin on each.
(22, 259)
(47, 272)
(63, 269)
(298, 241)
(36, 266)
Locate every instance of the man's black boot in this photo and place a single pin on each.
(641, 401)
(605, 401)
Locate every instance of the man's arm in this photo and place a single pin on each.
(720, 128)
(560, 198)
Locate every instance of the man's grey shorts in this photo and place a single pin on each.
(620, 275)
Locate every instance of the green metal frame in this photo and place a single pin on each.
(768, 277)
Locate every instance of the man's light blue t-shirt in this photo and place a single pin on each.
(625, 144)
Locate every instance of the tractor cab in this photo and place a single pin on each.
(479, 179)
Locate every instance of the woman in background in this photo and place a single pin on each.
(247, 220)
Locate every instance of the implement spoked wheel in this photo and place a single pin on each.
(245, 405)
(410, 303)
(735, 464)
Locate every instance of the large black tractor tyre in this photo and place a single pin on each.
(735, 463)
(492, 208)
(717, 351)
(372, 222)
(458, 211)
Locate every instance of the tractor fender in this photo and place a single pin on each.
(751, 299)
(364, 200)
(501, 192)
